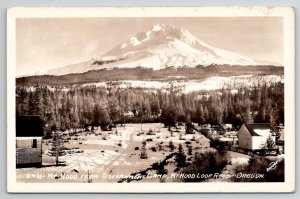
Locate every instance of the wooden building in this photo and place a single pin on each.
(29, 133)
(254, 136)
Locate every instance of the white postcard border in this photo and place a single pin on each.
(289, 78)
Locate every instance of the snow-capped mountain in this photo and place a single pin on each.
(161, 47)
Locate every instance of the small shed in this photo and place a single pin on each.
(29, 133)
(254, 136)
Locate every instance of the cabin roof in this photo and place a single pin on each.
(256, 129)
(29, 126)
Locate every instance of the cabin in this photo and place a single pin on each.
(29, 133)
(254, 136)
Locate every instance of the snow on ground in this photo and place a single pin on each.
(115, 152)
(212, 83)
(108, 58)
(134, 41)
(238, 158)
(97, 84)
(156, 27)
(186, 86)
(145, 84)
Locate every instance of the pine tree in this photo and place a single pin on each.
(205, 114)
(96, 115)
(22, 102)
(189, 128)
(219, 115)
(180, 157)
(154, 106)
(105, 119)
(168, 116)
(247, 117)
(35, 102)
(190, 150)
(75, 118)
(269, 144)
(57, 149)
(143, 154)
(200, 115)
(171, 146)
(114, 111)
(48, 113)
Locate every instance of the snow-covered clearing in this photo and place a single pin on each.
(107, 155)
(188, 86)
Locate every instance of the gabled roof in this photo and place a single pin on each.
(257, 126)
(29, 126)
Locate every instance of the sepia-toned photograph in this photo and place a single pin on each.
(182, 99)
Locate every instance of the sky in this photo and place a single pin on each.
(47, 43)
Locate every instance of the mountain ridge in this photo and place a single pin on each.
(160, 47)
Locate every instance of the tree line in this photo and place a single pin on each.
(117, 74)
(80, 107)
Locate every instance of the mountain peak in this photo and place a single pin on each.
(164, 27)
(172, 31)
(157, 34)
(157, 27)
(162, 46)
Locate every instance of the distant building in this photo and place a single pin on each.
(254, 136)
(29, 133)
(129, 114)
(227, 127)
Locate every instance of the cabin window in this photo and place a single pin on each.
(34, 143)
